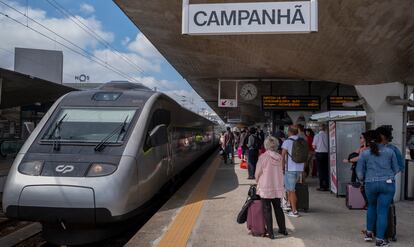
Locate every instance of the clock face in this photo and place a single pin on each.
(248, 91)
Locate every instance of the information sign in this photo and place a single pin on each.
(281, 102)
(249, 18)
(335, 103)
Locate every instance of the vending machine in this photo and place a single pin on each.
(343, 140)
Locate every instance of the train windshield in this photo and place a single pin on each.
(90, 125)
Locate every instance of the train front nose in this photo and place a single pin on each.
(48, 203)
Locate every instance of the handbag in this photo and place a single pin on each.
(242, 216)
(239, 152)
(253, 192)
(251, 195)
(243, 165)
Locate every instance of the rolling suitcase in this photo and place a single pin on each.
(354, 197)
(255, 218)
(391, 232)
(302, 193)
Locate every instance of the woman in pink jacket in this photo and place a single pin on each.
(270, 187)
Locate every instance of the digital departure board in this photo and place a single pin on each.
(283, 102)
(335, 103)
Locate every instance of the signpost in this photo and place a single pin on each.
(335, 103)
(250, 18)
(291, 103)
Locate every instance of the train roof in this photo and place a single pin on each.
(115, 98)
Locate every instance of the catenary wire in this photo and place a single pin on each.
(91, 32)
(90, 56)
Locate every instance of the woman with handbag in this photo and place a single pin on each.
(270, 185)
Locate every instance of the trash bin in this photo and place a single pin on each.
(409, 180)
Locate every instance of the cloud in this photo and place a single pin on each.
(143, 46)
(86, 8)
(125, 41)
(139, 55)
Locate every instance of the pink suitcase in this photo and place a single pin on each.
(255, 218)
(354, 198)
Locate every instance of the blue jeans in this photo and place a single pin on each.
(380, 196)
(291, 178)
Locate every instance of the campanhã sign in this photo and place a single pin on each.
(250, 18)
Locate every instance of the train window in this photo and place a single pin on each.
(160, 116)
(106, 96)
(89, 124)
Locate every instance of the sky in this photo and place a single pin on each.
(117, 44)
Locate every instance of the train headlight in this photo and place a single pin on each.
(33, 168)
(100, 169)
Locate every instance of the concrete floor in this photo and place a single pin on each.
(328, 222)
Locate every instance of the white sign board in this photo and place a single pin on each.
(250, 18)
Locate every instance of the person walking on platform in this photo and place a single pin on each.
(386, 138)
(292, 169)
(253, 152)
(311, 164)
(244, 136)
(377, 167)
(270, 188)
(229, 145)
(320, 144)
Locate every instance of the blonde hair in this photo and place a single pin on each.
(271, 143)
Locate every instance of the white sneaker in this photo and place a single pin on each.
(286, 208)
(293, 214)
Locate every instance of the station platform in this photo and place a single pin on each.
(203, 213)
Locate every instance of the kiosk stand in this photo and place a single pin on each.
(343, 140)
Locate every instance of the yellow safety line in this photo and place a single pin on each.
(180, 230)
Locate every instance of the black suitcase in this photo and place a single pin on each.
(391, 232)
(302, 193)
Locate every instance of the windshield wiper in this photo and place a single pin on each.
(57, 126)
(102, 144)
(56, 138)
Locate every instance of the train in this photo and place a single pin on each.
(98, 157)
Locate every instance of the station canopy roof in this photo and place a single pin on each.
(358, 42)
(19, 89)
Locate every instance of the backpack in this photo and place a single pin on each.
(300, 150)
(245, 140)
(256, 144)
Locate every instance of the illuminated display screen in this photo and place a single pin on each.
(335, 103)
(278, 102)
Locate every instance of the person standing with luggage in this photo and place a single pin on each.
(320, 144)
(292, 169)
(270, 186)
(377, 167)
(253, 152)
(353, 157)
(229, 145)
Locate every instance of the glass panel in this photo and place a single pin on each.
(89, 124)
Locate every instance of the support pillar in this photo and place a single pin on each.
(379, 113)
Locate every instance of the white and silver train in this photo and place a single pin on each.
(97, 157)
